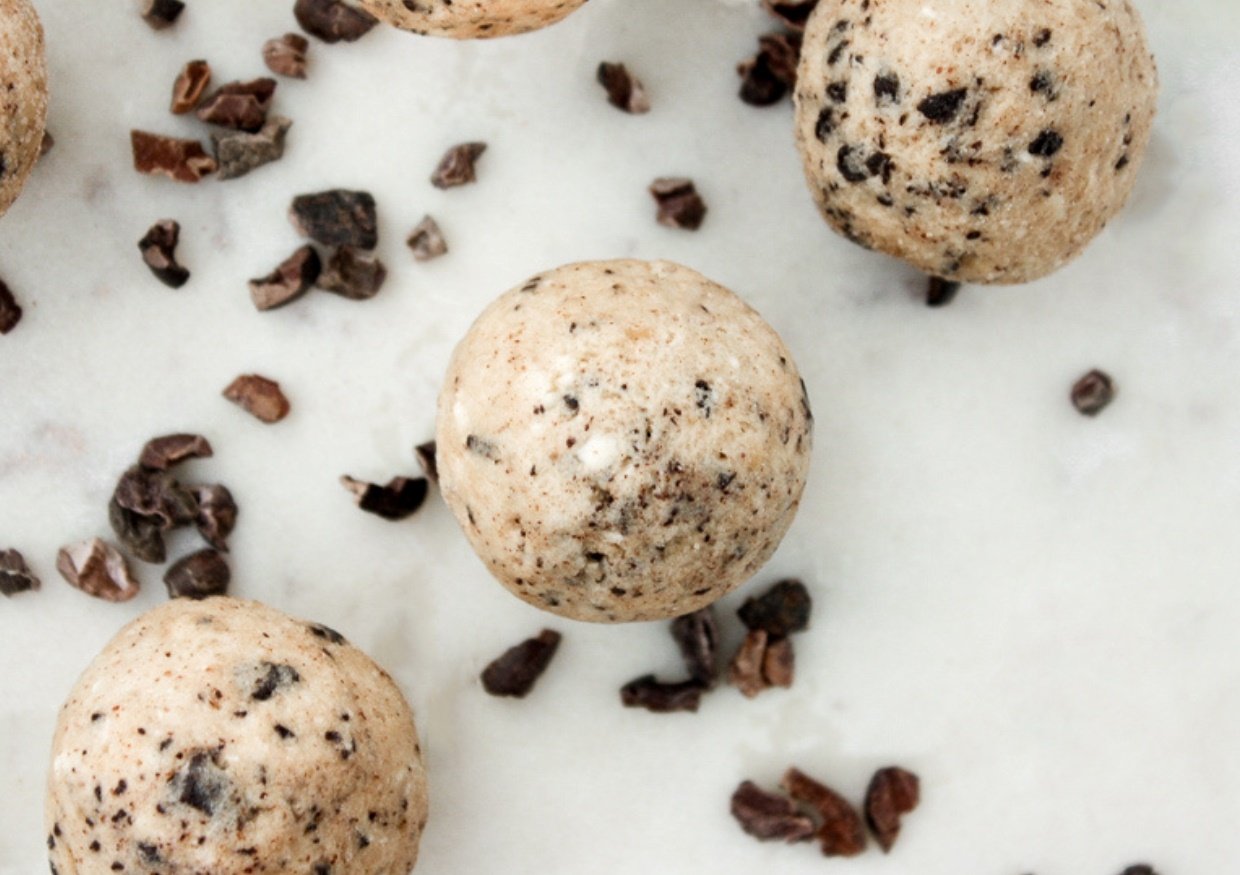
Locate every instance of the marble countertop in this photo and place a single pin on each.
(1035, 611)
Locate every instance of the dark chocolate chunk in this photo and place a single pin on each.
(781, 611)
(198, 575)
(10, 310)
(97, 569)
(458, 165)
(697, 636)
(769, 816)
(258, 396)
(940, 292)
(286, 55)
(288, 282)
(1046, 143)
(189, 86)
(886, 88)
(181, 160)
(842, 833)
(679, 204)
(837, 91)
(661, 698)
(337, 218)
(400, 498)
(772, 72)
(352, 275)
(793, 13)
(15, 574)
(333, 21)
(140, 535)
(217, 514)
(1093, 392)
(893, 792)
(158, 248)
(165, 452)
(239, 152)
(515, 672)
(274, 677)
(155, 495)
(241, 106)
(943, 107)
(160, 14)
(426, 458)
(624, 90)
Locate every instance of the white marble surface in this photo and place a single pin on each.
(1035, 611)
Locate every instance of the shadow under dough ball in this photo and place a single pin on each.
(471, 19)
(622, 440)
(23, 70)
(983, 141)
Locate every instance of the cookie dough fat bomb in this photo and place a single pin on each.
(471, 19)
(622, 440)
(982, 141)
(23, 74)
(223, 736)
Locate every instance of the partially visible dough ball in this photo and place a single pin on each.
(471, 19)
(223, 736)
(983, 141)
(622, 440)
(23, 76)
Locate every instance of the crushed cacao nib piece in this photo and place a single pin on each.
(157, 496)
(842, 833)
(158, 248)
(241, 106)
(680, 206)
(48, 143)
(426, 458)
(427, 240)
(1139, 869)
(779, 663)
(352, 275)
(745, 673)
(769, 816)
(400, 498)
(239, 152)
(288, 282)
(1093, 392)
(337, 218)
(10, 310)
(258, 396)
(661, 698)
(772, 73)
(198, 575)
(15, 574)
(189, 86)
(333, 21)
(98, 569)
(217, 514)
(940, 292)
(893, 792)
(286, 55)
(160, 14)
(781, 611)
(697, 636)
(165, 452)
(793, 13)
(624, 90)
(515, 672)
(458, 165)
(181, 160)
(140, 535)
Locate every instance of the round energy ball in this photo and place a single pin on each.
(223, 736)
(982, 141)
(23, 74)
(471, 19)
(622, 440)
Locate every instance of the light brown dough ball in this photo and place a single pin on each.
(23, 77)
(471, 19)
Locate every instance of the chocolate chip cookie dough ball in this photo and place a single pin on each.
(983, 141)
(471, 19)
(223, 736)
(622, 440)
(23, 76)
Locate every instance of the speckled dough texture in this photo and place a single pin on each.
(225, 737)
(471, 19)
(622, 440)
(984, 141)
(23, 75)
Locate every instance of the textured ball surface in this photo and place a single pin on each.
(23, 75)
(471, 19)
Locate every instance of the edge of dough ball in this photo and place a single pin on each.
(471, 19)
(23, 70)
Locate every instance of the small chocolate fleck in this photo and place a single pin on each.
(458, 165)
(943, 107)
(160, 14)
(782, 610)
(697, 636)
(202, 784)
(286, 55)
(886, 88)
(427, 240)
(165, 452)
(679, 204)
(400, 498)
(158, 247)
(15, 574)
(198, 575)
(825, 125)
(661, 698)
(1093, 392)
(333, 21)
(189, 86)
(273, 678)
(258, 396)
(1042, 37)
(426, 458)
(181, 160)
(624, 90)
(217, 514)
(515, 672)
(288, 282)
(352, 275)
(1046, 144)
(893, 792)
(769, 816)
(10, 310)
(241, 106)
(793, 13)
(842, 833)
(328, 634)
(337, 218)
(940, 292)
(97, 569)
(239, 152)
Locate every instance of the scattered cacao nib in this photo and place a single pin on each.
(165, 452)
(793, 13)
(239, 152)
(333, 21)
(48, 143)
(680, 206)
(515, 672)
(157, 496)
(158, 248)
(288, 282)
(842, 833)
(241, 106)
(352, 275)
(10, 310)
(772, 73)
(940, 292)
(426, 240)
(893, 792)
(400, 498)
(337, 218)
(1093, 392)
(745, 673)
(781, 611)
(189, 86)
(458, 165)
(258, 396)
(697, 636)
(217, 514)
(182, 160)
(769, 816)
(140, 535)
(426, 458)
(98, 569)
(15, 574)
(1139, 869)
(779, 663)
(198, 575)
(286, 55)
(624, 90)
(661, 698)
(160, 14)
